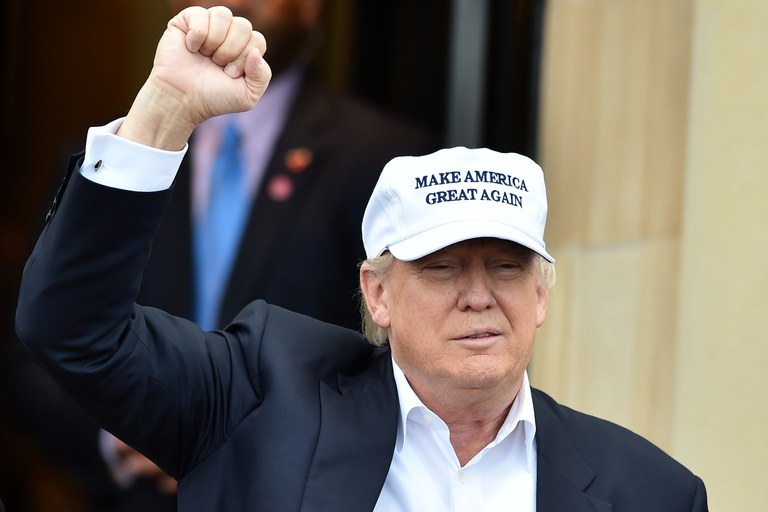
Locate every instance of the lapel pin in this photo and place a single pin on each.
(280, 188)
(298, 159)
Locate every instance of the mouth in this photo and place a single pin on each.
(478, 337)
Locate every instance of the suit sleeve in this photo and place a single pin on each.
(156, 381)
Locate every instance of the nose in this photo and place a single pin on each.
(475, 290)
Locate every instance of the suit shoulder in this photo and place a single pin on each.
(287, 338)
(609, 447)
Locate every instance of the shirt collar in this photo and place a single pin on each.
(521, 411)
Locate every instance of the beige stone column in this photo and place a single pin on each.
(614, 117)
(721, 380)
(654, 142)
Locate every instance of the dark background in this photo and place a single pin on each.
(71, 65)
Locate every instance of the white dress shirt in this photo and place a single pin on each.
(425, 474)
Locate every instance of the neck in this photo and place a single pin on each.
(470, 435)
(474, 419)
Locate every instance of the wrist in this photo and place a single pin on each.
(159, 118)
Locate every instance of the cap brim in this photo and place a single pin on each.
(432, 240)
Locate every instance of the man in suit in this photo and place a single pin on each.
(280, 411)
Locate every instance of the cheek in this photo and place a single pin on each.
(404, 318)
(410, 324)
(412, 350)
(415, 310)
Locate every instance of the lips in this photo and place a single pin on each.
(479, 334)
(483, 335)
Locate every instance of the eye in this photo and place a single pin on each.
(508, 266)
(439, 268)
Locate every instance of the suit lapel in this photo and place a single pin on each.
(556, 492)
(357, 439)
(562, 475)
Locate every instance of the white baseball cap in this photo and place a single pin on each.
(422, 204)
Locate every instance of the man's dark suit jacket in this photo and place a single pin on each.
(278, 412)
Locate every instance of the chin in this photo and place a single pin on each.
(482, 376)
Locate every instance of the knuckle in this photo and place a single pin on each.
(221, 11)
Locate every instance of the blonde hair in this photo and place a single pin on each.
(377, 336)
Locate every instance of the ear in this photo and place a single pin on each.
(541, 304)
(375, 297)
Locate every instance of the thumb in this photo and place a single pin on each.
(257, 73)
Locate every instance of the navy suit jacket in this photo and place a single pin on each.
(280, 411)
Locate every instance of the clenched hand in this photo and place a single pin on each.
(208, 63)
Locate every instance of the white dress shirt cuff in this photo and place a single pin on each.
(116, 162)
